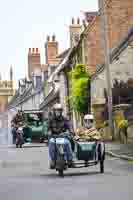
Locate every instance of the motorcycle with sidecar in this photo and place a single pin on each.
(86, 153)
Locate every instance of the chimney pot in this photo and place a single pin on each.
(53, 38)
(78, 20)
(72, 21)
(48, 38)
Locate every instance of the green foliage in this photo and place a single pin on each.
(79, 72)
(79, 88)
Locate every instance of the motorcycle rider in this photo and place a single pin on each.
(58, 124)
(20, 135)
(15, 123)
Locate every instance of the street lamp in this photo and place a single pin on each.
(105, 43)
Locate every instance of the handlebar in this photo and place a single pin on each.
(62, 135)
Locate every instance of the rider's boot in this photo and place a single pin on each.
(52, 164)
(70, 163)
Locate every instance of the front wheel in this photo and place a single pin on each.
(60, 172)
(102, 166)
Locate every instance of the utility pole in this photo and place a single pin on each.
(105, 44)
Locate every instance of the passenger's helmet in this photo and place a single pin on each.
(88, 117)
(88, 120)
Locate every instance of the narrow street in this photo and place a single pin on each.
(25, 175)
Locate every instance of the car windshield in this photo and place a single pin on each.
(34, 118)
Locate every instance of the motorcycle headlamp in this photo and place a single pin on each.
(58, 112)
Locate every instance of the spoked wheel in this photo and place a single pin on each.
(102, 166)
(60, 172)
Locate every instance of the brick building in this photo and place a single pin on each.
(51, 56)
(120, 20)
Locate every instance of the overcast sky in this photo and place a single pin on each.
(26, 23)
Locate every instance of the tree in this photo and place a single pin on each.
(80, 83)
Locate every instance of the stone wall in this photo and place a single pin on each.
(130, 134)
(97, 109)
(63, 93)
(121, 69)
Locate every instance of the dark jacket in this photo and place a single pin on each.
(18, 118)
(59, 125)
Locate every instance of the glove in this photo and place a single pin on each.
(49, 133)
(76, 137)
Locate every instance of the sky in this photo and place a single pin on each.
(25, 24)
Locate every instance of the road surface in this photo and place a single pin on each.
(24, 175)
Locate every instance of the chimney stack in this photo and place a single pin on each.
(51, 49)
(75, 32)
(34, 61)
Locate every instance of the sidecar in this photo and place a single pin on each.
(86, 154)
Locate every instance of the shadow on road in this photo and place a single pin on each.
(74, 174)
(30, 146)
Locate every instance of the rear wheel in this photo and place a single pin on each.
(102, 166)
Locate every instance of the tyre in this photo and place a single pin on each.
(102, 166)
(60, 172)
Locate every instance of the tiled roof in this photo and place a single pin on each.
(60, 66)
(63, 54)
(54, 93)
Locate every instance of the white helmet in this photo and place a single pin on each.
(89, 117)
(57, 106)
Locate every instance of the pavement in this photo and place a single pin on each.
(122, 151)
(25, 175)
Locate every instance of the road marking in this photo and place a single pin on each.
(112, 158)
